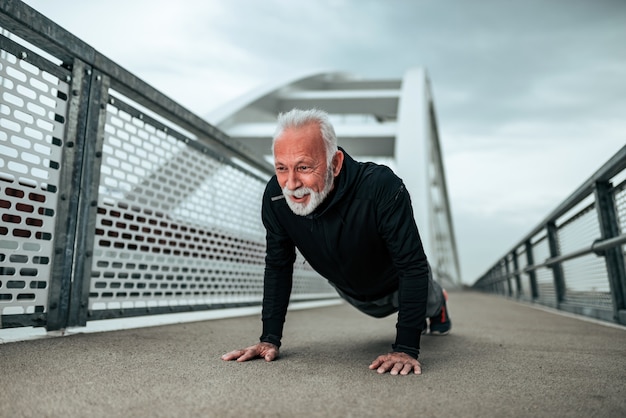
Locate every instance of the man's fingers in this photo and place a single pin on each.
(265, 350)
(396, 364)
(417, 368)
(247, 355)
(375, 364)
(240, 355)
(232, 355)
(399, 368)
(387, 365)
(271, 355)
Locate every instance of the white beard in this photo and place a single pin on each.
(315, 198)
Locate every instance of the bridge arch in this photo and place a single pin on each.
(391, 121)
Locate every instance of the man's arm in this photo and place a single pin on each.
(398, 229)
(277, 282)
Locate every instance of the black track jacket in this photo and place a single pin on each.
(362, 238)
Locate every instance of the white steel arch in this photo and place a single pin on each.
(386, 120)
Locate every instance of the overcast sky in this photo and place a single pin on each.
(530, 95)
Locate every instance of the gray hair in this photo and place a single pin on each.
(297, 118)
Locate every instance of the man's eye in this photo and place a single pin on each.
(303, 168)
(281, 169)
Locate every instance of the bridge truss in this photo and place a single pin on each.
(389, 121)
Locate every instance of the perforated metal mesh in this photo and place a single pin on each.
(544, 276)
(620, 206)
(176, 226)
(587, 282)
(579, 231)
(586, 278)
(32, 122)
(512, 283)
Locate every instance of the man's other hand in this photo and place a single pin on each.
(396, 363)
(267, 351)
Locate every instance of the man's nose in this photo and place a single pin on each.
(293, 180)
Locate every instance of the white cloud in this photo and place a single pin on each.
(529, 95)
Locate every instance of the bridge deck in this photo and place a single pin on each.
(502, 359)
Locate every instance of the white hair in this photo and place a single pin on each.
(297, 118)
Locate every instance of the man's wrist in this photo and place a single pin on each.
(411, 351)
(408, 337)
(272, 339)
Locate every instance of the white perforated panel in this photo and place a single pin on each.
(587, 281)
(543, 275)
(620, 207)
(579, 231)
(176, 226)
(586, 278)
(32, 122)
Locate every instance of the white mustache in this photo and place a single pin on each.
(301, 192)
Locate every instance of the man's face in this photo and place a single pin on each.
(301, 169)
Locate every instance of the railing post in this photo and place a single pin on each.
(507, 271)
(61, 285)
(531, 274)
(557, 269)
(518, 280)
(613, 257)
(88, 200)
(69, 288)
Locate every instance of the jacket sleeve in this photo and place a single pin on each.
(278, 274)
(398, 228)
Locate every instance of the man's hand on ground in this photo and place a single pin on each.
(396, 363)
(268, 351)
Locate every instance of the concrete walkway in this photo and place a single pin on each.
(503, 359)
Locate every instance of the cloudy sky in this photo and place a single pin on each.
(530, 95)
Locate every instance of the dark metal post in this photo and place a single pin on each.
(557, 269)
(531, 274)
(518, 280)
(508, 275)
(614, 258)
(68, 207)
(93, 137)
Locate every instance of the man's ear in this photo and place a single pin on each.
(337, 163)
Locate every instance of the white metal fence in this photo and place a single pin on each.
(116, 201)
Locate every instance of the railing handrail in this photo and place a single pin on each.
(596, 247)
(575, 282)
(16, 16)
(613, 166)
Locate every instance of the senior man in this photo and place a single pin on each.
(353, 222)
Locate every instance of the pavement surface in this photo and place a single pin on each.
(502, 359)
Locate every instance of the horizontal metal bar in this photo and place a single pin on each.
(132, 312)
(27, 23)
(24, 54)
(23, 320)
(554, 260)
(600, 246)
(597, 247)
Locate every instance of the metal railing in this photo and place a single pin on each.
(574, 259)
(115, 200)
